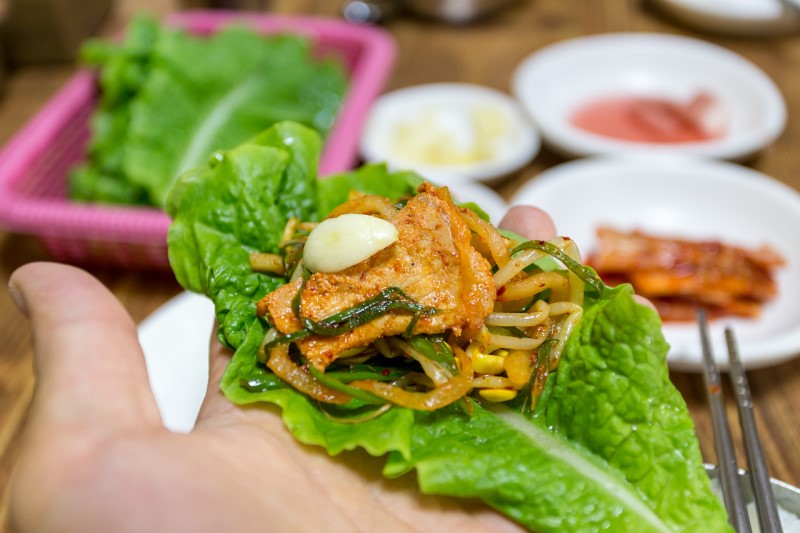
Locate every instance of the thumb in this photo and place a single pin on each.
(529, 222)
(90, 369)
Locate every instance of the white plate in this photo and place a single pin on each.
(485, 130)
(695, 199)
(175, 342)
(555, 81)
(735, 17)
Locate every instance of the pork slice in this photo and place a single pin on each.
(432, 261)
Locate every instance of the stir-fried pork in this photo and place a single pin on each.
(432, 261)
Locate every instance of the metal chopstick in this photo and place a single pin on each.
(768, 519)
(726, 456)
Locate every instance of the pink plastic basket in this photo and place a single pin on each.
(35, 163)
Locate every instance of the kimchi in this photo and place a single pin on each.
(679, 275)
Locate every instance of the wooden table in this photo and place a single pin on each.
(484, 53)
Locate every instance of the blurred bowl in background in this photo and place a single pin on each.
(447, 11)
(787, 498)
(735, 17)
(455, 11)
(744, 111)
(458, 129)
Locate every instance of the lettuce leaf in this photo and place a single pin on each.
(611, 445)
(122, 71)
(218, 219)
(169, 98)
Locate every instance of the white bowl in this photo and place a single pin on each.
(453, 128)
(695, 199)
(734, 17)
(554, 82)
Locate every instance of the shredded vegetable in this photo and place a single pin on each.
(511, 353)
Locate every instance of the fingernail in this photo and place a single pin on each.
(18, 298)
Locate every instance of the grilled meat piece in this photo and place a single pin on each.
(433, 262)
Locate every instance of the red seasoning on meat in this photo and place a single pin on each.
(433, 262)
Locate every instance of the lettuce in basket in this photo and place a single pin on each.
(606, 443)
(168, 99)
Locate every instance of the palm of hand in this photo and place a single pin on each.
(97, 458)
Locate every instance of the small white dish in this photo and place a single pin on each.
(688, 198)
(555, 82)
(175, 340)
(734, 17)
(466, 130)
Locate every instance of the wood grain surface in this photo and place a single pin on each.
(486, 53)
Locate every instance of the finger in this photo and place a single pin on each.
(533, 223)
(529, 222)
(90, 370)
(645, 302)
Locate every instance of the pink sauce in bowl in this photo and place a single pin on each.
(651, 120)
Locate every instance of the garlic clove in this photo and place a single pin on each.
(344, 241)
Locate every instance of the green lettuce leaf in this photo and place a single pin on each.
(169, 99)
(238, 204)
(611, 445)
(122, 71)
(219, 218)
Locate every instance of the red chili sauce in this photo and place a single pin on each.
(650, 120)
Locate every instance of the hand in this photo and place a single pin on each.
(97, 458)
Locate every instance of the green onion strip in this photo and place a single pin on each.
(393, 298)
(586, 274)
(387, 300)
